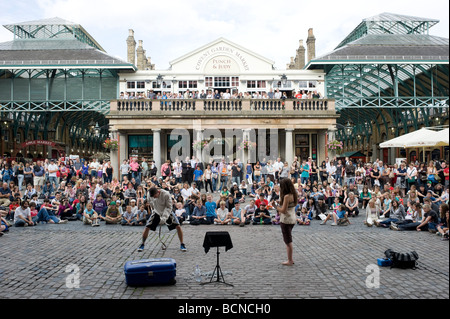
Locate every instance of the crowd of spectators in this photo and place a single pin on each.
(409, 196)
(222, 95)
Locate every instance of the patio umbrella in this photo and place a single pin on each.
(443, 136)
(411, 139)
(420, 138)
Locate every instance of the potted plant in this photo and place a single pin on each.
(335, 146)
(111, 144)
(247, 145)
(199, 144)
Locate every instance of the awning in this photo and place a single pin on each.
(352, 154)
(420, 138)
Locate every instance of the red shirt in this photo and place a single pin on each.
(446, 172)
(258, 202)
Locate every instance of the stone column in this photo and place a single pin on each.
(157, 149)
(289, 148)
(198, 137)
(331, 137)
(321, 146)
(245, 153)
(374, 152)
(123, 147)
(114, 157)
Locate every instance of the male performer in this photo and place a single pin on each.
(162, 212)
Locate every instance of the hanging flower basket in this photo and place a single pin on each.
(247, 145)
(111, 144)
(198, 145)
(335, 145)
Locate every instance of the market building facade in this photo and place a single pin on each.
(221, 86)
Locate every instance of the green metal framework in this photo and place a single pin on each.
(65, 98)
(388, 23)
(51, 29)
(56, 90)
(404, 92)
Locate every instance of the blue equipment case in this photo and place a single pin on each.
(146, 272)
(384, 262)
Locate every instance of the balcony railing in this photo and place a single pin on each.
(146, 106)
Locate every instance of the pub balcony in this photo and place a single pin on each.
(228, 107)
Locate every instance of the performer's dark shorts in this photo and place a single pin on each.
(286, 230)
(171, 222)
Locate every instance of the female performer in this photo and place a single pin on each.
(288, 201)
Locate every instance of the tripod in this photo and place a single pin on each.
(218, 271)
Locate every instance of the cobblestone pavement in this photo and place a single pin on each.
(330, 262)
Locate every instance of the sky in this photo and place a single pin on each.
(171, 28)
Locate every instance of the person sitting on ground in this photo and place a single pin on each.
(260, 200)
(141, 215)
(65, 209)
(5, 195)
(22, 216)
(47, 190)
(113, 215)
(340, 217)
(230, 203)
(180, 212)
(14, 204)
(417, 214)
(372, 213)
(365, 197)
(430, 220)
(99, 205)
(443, 228)
(33, 212)
(238, 196)
(128, 217)
(4, 227)
(235, 214)
(47, 214)
(262, 216)
(225, 192)
(303, 216)
(351, 205)
(222, 215)
(90, 216)
(210, 210)
(199, 214)
(249, 211)
(396, 214)
(386, 205)
(311, 208)
(321, 207)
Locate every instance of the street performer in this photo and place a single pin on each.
(162, 213)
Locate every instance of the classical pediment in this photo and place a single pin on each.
(222, 57)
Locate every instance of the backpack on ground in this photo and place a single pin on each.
(402, 260)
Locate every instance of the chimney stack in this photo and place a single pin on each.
(311, 45)
(300, 59)
(140, 56)
(131, 47)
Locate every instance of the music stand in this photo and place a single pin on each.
(217, 239)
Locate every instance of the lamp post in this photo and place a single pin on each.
(284, 79)
(159, 80)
